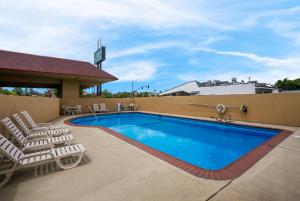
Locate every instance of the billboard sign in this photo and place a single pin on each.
(99, 55)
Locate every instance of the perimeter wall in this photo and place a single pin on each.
(281, 108)
(42, 109)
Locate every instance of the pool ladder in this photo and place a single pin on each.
(227, 118)
(93, 112)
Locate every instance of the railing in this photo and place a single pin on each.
(93, 112)
(207, 105)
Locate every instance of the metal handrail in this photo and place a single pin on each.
(93, 112)
(196, 104)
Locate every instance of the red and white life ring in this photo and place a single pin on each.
(221, 108)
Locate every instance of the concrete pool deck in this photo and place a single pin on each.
(115, 170)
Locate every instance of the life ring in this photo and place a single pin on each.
(221, 108)
(244, 108)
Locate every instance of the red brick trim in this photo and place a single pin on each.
(231, 171)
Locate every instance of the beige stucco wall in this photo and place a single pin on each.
(281, 109)
(111, 103)
(42, 109)
(264, 108)
(70, 88)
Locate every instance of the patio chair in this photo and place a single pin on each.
(31, 133)
(136, 107)
(18, 159)
(96, 107)
(103, 107)
(78, 110)
(37, 144)
(41, 126)
(66, 110)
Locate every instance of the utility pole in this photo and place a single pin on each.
(132, 93)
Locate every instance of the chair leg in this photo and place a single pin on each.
(7, 175)
(69, 166)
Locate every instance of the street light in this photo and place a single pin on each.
(135, 90)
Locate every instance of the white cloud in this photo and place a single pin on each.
(143, 49)
(153, 14)
(266, 61)
(148, 47)
(134, 71)
(23, 25)
(287, 29)
(256, 16)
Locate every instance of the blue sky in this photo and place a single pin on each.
(162, 43)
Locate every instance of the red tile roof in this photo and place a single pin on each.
(42, 64)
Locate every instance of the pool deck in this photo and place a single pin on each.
(115, 170)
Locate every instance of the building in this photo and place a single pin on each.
(34, 71)
(217, 87)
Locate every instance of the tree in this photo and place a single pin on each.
(31, 92)
(287, 84)
(18, 91)
(106, 94)
(6, 91)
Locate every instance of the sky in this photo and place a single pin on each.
(162, 43)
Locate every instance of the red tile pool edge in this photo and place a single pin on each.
(231, 171)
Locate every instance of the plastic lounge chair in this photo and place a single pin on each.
(19, 159)
(96, 107)
(78, 110)
(103, 107)
(31, 133)
(66, 110)
(41, 126)
(37, 144)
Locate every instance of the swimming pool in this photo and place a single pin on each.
(206, 145)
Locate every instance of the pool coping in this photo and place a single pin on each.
(231, 171)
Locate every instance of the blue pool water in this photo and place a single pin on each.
(208, 145)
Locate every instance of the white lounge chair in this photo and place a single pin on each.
(78, 110)
(66, 110)
(96, 107)
(37, 144)
(31, 133)
(41, 126)
(18, 159)
(103, 107)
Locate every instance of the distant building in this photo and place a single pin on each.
(217, 87)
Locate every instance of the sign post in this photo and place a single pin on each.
(99, 57)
